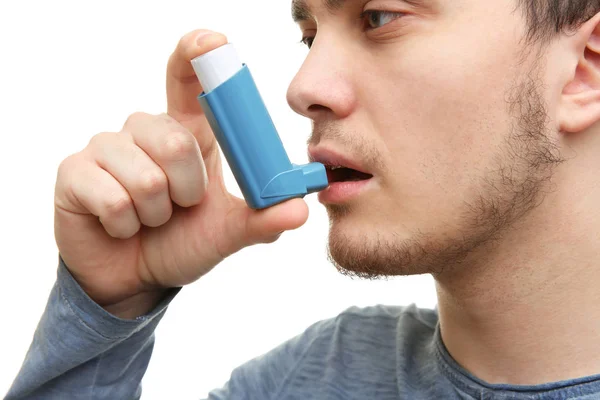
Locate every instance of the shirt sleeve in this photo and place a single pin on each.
(80, 351)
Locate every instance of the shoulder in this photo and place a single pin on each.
(368, 345)
(380, 316)
(388, 325)
(336, 350)
(424, 315)
(371, 329)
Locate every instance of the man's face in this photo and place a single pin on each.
(438, 100)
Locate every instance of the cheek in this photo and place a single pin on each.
(443, 103)
(441, 112)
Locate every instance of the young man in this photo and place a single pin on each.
(469, 134)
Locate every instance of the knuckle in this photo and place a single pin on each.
(166, 119)
(66, 166)
(135, 119)
(178, 146)
(117, 204)
(152, 183)
(100, 139)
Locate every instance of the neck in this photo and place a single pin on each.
(524, 310)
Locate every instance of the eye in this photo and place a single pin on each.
(308, 41)
(376, 18)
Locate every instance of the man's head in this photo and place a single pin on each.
(461, 110)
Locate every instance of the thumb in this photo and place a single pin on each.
(265, 226)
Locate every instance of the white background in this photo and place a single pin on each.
(71, 69)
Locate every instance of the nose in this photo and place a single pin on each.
(322, 88)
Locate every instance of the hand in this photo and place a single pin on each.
(145, 209)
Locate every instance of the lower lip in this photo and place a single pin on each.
(341, 192)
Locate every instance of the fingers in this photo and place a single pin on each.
(143, 179)
(90, 189)
(183, 87)
(176, 151)
(154, 161)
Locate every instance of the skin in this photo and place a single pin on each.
(145, 209)
(486, 174)
(484, 159)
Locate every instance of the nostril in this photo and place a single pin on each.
(317, 107)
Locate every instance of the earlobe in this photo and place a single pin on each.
(580, 110)
(581, 96)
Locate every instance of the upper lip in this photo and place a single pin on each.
(333, 158)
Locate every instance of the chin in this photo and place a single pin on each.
(361, 246)
(371, 246)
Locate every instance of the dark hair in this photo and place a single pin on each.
(546, 18)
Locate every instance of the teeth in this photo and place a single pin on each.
(334, 167)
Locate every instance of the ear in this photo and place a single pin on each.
(580, 99)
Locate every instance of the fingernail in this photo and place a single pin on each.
(202, 36)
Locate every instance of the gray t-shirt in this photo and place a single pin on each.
(80, 351)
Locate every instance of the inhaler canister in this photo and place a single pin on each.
(246, 133)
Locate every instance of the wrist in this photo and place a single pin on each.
(137, 305)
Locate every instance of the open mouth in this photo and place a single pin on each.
(346, 175)
(337, 174)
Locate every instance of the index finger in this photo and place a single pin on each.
(183, 87)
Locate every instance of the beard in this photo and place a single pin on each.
(523, 168)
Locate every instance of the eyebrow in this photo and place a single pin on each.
(301, 10)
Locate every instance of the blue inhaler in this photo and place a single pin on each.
(247, 135)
